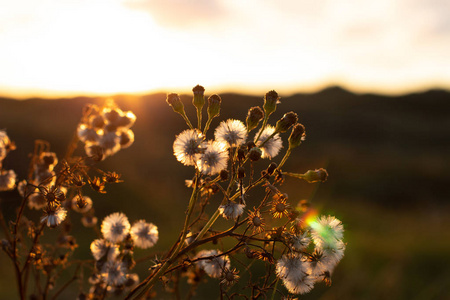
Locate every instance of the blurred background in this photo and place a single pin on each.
(369, 81)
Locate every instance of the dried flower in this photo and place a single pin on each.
(53, 216)
(326, 231)
(89, 221)
(231, 210)
(7, 180)
(81, 204)
(215, 264)
(98, 185)
(279, 207)
(126, 138)
(256, 221)
(102, 249)
(144, 235)
(229, 277)
(115, 227)
(114, 272)
(292, 270)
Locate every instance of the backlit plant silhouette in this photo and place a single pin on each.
(297, 247)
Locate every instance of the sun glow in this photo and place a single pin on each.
(105, 49)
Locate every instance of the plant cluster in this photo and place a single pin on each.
(297, 247)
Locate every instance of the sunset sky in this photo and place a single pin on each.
(54, 48)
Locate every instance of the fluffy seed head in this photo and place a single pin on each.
(188, 146)
(231, 210)
(214, 159)
(231, 132)
(272, 146)
(144, 235)
(115, 227)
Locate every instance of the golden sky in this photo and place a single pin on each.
(56, 48)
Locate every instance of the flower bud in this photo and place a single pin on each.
(223, 175)
(297, 136)
(250, 145)
(254, 154)
(271, 168)
(199, 98)
(241, 153)
(214, 102)
(316, 175)
(270, 102)
(286, 122)
(175, 101)
(255, 114)
(241, 172)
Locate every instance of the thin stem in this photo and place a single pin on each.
(262, 127)
(187, 120)
(208, 123)
(285, 157)
(199, 118)
(152, 279)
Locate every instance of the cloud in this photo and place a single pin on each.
(182, 14)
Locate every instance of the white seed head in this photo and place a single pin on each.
(214, 159)
(272, 147)
(231, 132)
(144, 235)
(188, 146)
(115, 227)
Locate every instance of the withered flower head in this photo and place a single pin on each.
(112, 177)
(256, 221)
(53, 215)
(229, 277)
(97, 185)
(279, 206)
(264, 256)
(53, 194)
(77, 180)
